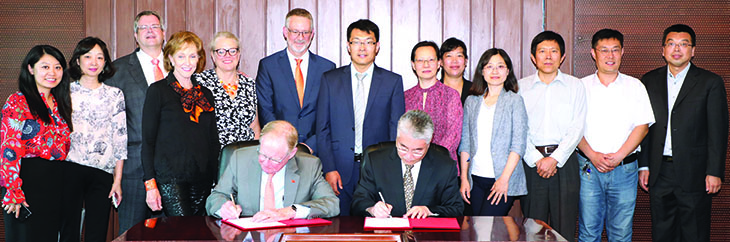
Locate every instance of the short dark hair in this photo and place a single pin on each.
(607, 34)
(27, 86)
(547, 35)
(83, 47)
(680, 28)
(425, 44)
(364, 25)
(479, 85)
(451, 44)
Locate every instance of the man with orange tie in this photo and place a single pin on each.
(287, 82)
(273, 181)
(135, 72)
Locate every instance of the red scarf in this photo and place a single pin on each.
(192, 100)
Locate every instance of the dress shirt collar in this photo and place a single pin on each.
(681, 75)
(369, 71)
(558, 79)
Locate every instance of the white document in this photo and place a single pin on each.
(387, 222)
(247, 223)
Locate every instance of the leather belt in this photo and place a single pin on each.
(358, 157)
(547, 150)
(667, 159)
(627, 160)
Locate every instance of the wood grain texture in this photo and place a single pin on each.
(405, 36)
(253, 34)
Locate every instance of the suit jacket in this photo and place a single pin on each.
(130, 78)
(277, 93)
(509, 134)
(336, 117)
(242, 178)
(437, 188)
(699, 127)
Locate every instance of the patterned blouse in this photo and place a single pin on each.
(234, 115)
(99, 139)
(443, 104)
(24, 136)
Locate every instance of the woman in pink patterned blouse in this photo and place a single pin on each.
(438, 100)
(36, 123)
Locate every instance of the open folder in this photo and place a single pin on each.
(248, 224)
(411, 223)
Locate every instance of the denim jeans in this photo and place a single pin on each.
(607, 198)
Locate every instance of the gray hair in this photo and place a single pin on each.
(417, 124)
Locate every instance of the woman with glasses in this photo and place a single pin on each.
(179, 135)
(433, 97)
(493, 138)
(234, 93)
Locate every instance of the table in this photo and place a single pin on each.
(473, 228)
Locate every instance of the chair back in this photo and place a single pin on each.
(227, 153)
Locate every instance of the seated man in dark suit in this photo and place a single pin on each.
(413, 178)
(272, 181)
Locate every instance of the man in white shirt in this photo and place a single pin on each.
(618, 117)
(135, 72)
(272, 181)
(556, 109)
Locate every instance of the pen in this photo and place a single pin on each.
(383, 200)
(233, 200)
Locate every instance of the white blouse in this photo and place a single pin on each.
(482, 163)
(99, 137)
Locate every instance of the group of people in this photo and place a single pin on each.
(152, 123)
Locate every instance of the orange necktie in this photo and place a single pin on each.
(269, 201)
(158, 71)
(299, 80)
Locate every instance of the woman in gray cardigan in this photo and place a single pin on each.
(493, 137)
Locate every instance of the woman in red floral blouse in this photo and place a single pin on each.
(36, 123)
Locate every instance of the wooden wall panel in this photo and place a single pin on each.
(252, 31)
(380, 14)
(481, 35)
(330, 44)
(405, 36)
(402, 23)
(531, 26)
(227, 16)
(560, 20)
(275, 13)
(506, 36)
(457, 23)
(123, 41)
(175, 16)
(200, 16)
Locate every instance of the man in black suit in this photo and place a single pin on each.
(413, 179)
(681, 169)
(135, 72)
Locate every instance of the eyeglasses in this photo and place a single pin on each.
(297, 32)
(222, 52)
(673, 45)
(422, 61)
(361, 43)
(152, 27)
(606, 51)
(495, 67)
(415, 152)
(268, 158)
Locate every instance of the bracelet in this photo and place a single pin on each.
(150, 184)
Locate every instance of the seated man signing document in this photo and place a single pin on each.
(272, 182)
(411, 179)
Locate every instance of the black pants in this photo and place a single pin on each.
(678, 215)
(89, 188)
(180, 198)
(42, 185)
(554, 200)
(483, 207)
